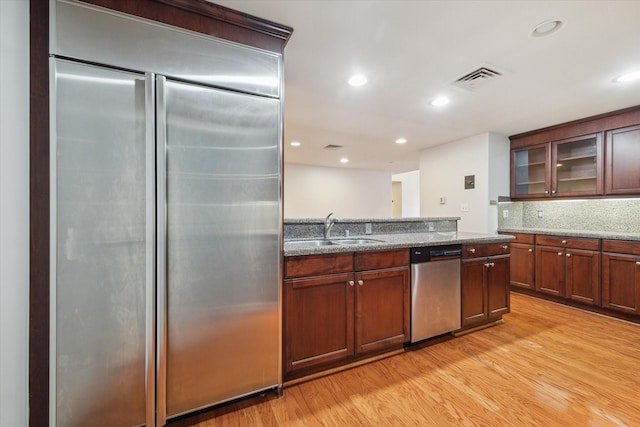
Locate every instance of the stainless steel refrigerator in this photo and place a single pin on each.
(166, 221)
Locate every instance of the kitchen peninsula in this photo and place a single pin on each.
(348, 290)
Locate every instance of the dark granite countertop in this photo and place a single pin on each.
(611, 235)
(398, 241)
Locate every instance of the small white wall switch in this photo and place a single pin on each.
(443, 200)
(464, 207)
(505, 214)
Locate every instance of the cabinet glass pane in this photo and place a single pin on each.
(530, 171)
(576, 166)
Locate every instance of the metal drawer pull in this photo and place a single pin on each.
(360, 282)
(637, 262)
(489, 264)
(560, 253)
(472, 250)
(505, 247)
(351, 282)
(564, 242)
(530, 250)
(568, 255)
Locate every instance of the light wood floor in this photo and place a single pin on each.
(547, 365)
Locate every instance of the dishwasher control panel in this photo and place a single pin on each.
(428, 253)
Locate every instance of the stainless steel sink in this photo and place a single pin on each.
(355, 241)
(322, 242)
(309, 243)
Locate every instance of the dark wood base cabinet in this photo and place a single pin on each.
(568, 267)
(522, 262)
(484, 283)
(339, 308)
(601, 276)
(621, 276)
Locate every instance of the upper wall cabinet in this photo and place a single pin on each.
(597, 156)
(622, 174)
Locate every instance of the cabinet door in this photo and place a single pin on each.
(577, 166)
(473, 292)
(497, 278)
(382, 309)
(318, 320)
(522, 265)
(583, 276)
(623, 156)
(530, 173)
(550, 270)
(621, 282)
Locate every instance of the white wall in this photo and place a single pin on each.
(499, 174)
(410, 193)
(442, 172)
(14, 211)
(313, 192)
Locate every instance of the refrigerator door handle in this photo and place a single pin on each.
(161, 198)
(150, 225)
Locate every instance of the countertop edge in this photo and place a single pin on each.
(574, 233)
(400, 241)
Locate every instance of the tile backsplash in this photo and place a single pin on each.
(611, 215)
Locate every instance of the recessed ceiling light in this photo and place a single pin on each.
(358, 80)
(401, 141)
(440, 101)
(629, 77)
(344, 160)
(547, 28)
(295, 143)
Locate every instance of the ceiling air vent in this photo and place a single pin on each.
(476, 78)
(332, 147)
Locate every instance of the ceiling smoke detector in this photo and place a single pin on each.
(333, 147)
(476, 78)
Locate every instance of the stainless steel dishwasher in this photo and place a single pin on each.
(435, 291)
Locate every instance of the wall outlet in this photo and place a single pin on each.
(464, 207)
(443, 200)
(505, 214)
(367, 228)
(540, 213)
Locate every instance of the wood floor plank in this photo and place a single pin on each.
(546, 365)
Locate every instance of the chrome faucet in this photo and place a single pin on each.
(328, 224)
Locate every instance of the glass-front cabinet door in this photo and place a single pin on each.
(577, 166)
(530, 171)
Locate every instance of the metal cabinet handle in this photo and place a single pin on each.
(553, 191)
(568, 255)
(530, 250)
(489, 264)
(360, 282)
(564, 242)
(351, 282)
(546, 191)
(637, 262)
(505, 247)
(472, 250)
(560, 253)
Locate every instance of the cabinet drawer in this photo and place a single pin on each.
(375, 260)
(521, 237)
(621, 247)
(484, 250)
(313, 265)
(568, 242)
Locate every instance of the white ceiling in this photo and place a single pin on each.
(411, 51)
